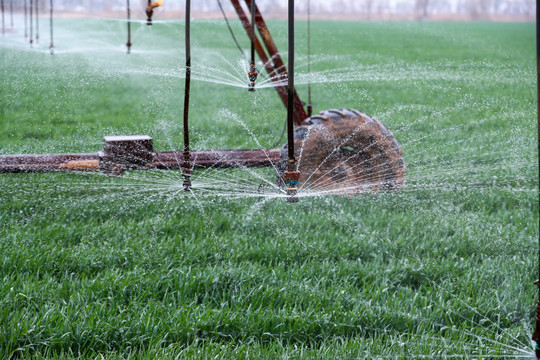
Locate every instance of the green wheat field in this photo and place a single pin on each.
(97, 267)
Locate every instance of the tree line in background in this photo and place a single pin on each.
(363, 9)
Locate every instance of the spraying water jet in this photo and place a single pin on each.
(341, 150)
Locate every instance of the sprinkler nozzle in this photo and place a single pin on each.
(187, 172)
(252, 75)
(292, 178)
(128, 47)
(150, 10)
(187, 181)
(51, 49)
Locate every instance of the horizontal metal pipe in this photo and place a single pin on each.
(161, 160)
(218, 158)
(39, 159)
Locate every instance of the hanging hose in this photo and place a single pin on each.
(3, 25)
(291, 176)
(236, 40)
(51, 46)
(31, 35)
(186, 171)
(128, 44)
(25, 21)
(37, 21)
(230, 29)
(252, 74)
(309, 105)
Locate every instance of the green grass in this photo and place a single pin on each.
(129, 268)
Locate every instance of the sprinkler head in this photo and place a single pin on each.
(252, 75)
(187, 172)
(51, 49)
(128, 47)
(292, 178)
(150, 10)
(149, 13)
(187, 182)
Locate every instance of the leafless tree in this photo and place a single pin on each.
(478, 8)
(421, 8)
(368, 5)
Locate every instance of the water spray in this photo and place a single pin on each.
(11, 12)
(51, 46)
(186, 169)
(292, 175)
(252, 74)
(128, 44)
(150, 10)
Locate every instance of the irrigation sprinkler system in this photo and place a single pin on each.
(340, 149)
(343, 150)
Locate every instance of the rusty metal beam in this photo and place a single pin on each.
(219, 158)
(270, 57)
(161, 160)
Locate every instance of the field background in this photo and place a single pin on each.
(134, 268)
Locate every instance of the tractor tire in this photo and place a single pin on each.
(345, 151)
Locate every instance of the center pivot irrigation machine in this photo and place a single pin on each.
(344, 150)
